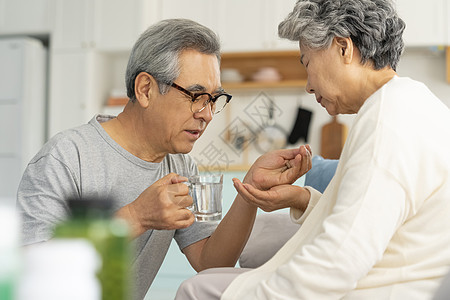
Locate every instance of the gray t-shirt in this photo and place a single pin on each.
(85, 162)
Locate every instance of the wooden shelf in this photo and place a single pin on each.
(117, 101)
(264, 85)
(293, 74)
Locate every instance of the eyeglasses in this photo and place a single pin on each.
(200, 100)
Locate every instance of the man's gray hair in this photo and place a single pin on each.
(373, 25)
(157, 51)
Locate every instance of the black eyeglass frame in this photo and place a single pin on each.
(195, 96)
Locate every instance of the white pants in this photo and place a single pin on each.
(209, 284)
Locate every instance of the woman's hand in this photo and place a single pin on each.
(277, 197)
(279, 167)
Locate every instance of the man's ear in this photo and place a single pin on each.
(144, 87)
(345, 47)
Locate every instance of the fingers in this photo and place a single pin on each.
(293, 169)
(299, 165)
(278, 197)
(185, 219)
(175, 217)
(178, 179)
(243, 191)
(251, 194)
(174, 183)
(306, 162)
(309, 148)
(289, 154)
(178, 189)
(163, 204)
(171, 178)
(180, 218)
(269, 200)
(295, 163)
(183, 201)
(303, 151)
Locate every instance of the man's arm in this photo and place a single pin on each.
(223, 247)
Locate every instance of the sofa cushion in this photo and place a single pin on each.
(321, 172)
(270, 232)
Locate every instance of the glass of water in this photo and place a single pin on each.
(206, 193)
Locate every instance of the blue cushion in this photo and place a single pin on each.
(321, 172)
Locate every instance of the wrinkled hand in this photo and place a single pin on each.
(163, 205)
(279, 167)
(277, 197)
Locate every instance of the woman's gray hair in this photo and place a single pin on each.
(373, 25)
(157, 51)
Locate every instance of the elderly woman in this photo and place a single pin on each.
(381, 230)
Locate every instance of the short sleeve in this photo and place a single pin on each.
(41, 199)
(194, 233)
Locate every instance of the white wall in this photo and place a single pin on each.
(429, 66)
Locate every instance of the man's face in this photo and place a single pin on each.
(176, 128)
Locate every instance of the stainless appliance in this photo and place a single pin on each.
(22, 109)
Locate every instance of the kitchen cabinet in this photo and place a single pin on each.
(250, 25)
(72, 25)
(26, 16)
(87, 37)
(253, 25)
(447, 25)
(426, 23)
(202, 11)
(104, 25)
(77, 90)
(236, 22)
(274, 13)
(240, 25)
(119, 23)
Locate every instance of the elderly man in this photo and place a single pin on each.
(139, 158)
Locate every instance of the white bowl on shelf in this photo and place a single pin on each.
(231, 75)
(267, 74)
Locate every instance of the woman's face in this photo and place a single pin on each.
(328, 78)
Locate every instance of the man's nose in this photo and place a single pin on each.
(206, 114)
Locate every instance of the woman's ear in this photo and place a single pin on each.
(144, 86)
(345, 47)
